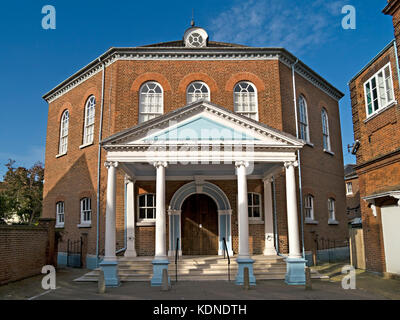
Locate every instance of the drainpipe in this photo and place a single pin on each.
(99, 161)
(298, 156)
(397, 61)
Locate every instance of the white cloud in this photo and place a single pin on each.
(285, 23)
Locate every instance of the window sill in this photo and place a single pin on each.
(329, 152)
(372, 116)
(310, 221)
(333, 222)
(145, 223)
(349, 194)
(59, 226)
(85, 145)
(85, 225)
(256, 221)
(61, 155)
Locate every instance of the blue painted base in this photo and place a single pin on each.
(158, 267)
(295, 271)
(61, 259)
(243, 263)
(110, 269)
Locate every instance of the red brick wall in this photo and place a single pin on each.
(24, 250)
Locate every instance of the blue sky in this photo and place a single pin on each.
(34, 60)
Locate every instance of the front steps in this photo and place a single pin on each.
(199, 268)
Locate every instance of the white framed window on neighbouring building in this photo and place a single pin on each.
(197, 91)
(349, 188)
(63, 144)
(147, 206)
(254, 205)
(60, 214)
(88, 131)
(151, 101)
(86, 212)
(309, 208)
(379, 91)
(332, 211)
(245, 99)
(303, 120)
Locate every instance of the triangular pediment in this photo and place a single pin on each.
(201, 122)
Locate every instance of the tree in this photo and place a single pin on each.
(22, 192)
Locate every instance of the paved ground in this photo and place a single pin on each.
(368, 287)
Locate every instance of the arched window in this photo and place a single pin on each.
(245, 100)
(309, 207)
(88, 131)
(60, 215)
(63, 145)
(86, 211)
(325, 130)
(303, 121)
(196, 91)
(151, 101)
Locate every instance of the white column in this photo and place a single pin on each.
(269, 248)
(243, 216)
(110, 245)
(161, 228)
(130, 218)
(292, 216)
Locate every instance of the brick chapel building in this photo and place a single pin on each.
(376, 121)
(203, 143)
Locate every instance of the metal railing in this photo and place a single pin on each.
(74, 253)
(176, 259)
(229, 259)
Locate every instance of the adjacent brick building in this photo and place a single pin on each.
(376, 114)
(128, 89)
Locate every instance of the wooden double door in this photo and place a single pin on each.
(199, 226)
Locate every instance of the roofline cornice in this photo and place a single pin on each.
(174, 53)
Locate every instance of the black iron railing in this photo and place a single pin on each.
(229, 259)
(176, 259)
(74, 253)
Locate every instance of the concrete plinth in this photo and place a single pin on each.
(295, 271)
(158, 267)
(243, 263)
(110, 269)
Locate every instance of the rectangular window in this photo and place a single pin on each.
(309, 207)
(379, 90)
(60, 214)
(86, 211)
(349, 188)
(147, 206)
(254, 205)
(331, 209)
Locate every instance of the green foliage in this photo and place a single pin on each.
(22, 192)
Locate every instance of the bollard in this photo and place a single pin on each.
(165, 284)
(308, 279)
(246, 280)
(101, 284)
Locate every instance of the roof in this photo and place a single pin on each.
(180, 43)
(386, 48)
(350, 171)
(391, 7)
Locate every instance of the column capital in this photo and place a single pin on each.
(288, 164)
(268, 180)
(241, 163)
(109, 164)
(129, 179)
(158, 164)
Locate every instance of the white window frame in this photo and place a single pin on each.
(246, 113)
(349, 191)
(145, 115)
(309, 207)
(303, 118)
(90, 112)
(60, 214)
(252, 206)
(325, 130)
(153, 207)
(385, 88)
(332, 211)
(86, 211)
(191, 97)
(64, 128)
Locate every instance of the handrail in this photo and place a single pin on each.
(229, 260)
(176, 259)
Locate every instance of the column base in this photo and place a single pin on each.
(243, 263)
(295, 274)
(269, 252)
(130, 254)
(110, 269)
(158, 267)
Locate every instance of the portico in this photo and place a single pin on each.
(199, 144)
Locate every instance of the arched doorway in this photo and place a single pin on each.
(199, 225)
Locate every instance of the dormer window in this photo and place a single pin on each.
(195, 37)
